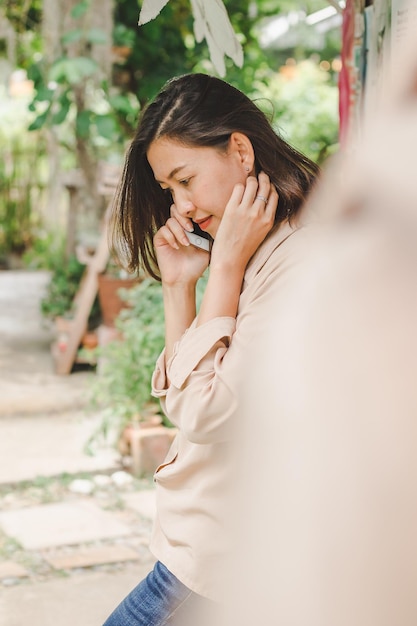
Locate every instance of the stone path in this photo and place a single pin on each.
(74, 528)
(48, 445)
(85, 599)
(28, 384)
(48, 527)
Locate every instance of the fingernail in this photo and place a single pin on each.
(190, 228)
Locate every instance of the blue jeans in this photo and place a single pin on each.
(161, 600)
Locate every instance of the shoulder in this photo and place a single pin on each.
(284, 254)
(285, 244)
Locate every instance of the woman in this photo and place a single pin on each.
(203, 155)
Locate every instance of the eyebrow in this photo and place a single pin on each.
(174, 171)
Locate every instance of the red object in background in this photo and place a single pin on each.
(347, 73)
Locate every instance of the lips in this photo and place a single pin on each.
(204, 224)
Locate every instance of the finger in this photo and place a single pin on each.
(251, 190)
(264, 188)
(177, 230)
(163, 237)
(262, 199)
(172, 234)
(237, 194)
(257, 191)
(185, 222)
(272, 204)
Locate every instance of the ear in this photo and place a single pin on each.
(241, 146)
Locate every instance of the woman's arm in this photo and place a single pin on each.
(204, 372)
(180, 311)
(181, 265)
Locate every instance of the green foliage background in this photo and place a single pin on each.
(123, 388)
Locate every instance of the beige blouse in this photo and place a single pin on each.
(190, 536)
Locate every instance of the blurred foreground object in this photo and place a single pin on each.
(330, 411)
(211, 22)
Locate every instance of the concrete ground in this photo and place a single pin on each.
(45, 419)
(74, 528)
(85, 599)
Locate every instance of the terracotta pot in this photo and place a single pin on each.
(108, 294)
(90, 340)
(147, 445)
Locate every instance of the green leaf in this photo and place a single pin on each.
(121, 104)
(39, 121)
(80, 9)
(96, 35)
(81, 67)
(72, 71)
(72, 36)
(62, 113)
(106, 126)
(83, 123)
(35, 73)
(43, 94)
(58, 71)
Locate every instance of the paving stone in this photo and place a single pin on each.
(143, 502)
(10, 569)
(88, 557)
(65, 523)
(33, 446)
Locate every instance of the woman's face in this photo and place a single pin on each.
(200, 179)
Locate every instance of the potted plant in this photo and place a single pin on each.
(62, 287)
(110, 284)
(57, 305)
(131, 417)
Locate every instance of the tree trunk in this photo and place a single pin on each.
(57, 20)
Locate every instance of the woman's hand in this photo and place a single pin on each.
(247, 219)
(180, 265)
(179, 262)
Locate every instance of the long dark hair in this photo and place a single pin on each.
(198, 110)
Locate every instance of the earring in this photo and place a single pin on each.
(247, 169)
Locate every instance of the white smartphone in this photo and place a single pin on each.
(199, 239)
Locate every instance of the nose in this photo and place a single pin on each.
(184, 205)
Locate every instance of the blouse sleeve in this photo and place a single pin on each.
(199, 398)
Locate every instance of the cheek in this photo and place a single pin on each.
(216, 193)
(214, 197)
